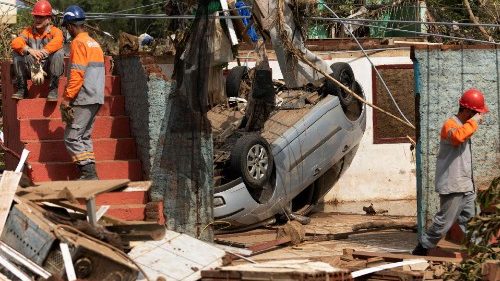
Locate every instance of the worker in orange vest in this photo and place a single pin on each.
(84, 93)
(38, 50)
(454, 181)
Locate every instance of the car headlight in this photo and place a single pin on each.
(219, 201)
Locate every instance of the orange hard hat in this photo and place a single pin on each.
(474, 99)
(42, 8)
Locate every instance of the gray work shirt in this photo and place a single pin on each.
(454, 166)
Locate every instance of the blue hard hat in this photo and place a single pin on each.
(73, 14)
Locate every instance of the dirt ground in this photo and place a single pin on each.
(395, 241)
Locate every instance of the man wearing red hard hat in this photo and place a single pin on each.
(453, 180)
(38, 50)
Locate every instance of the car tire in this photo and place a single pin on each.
(233, 80)
(252, 159)
(343, 73)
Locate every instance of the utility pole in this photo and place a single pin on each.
(185, 148)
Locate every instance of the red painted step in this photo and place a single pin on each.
(112, 87)
(39, 108)
(104, 149)
(53, 129)
(106, 170)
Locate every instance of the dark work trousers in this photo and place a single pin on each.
(53, 64)
(77, 134)
(458, 207)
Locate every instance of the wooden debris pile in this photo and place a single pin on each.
(430, 268)
(278, 270)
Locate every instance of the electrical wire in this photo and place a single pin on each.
(429, 34)
(373, 66)
(181, 17)
(136, 8)
(408, 22)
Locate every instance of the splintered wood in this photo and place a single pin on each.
(69, 190)
(432, 268)
(278, 270)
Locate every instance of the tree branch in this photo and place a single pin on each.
(474, 20)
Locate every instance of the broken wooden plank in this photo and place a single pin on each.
(70, 190)
(490, 270)
(261, 247)
(278, 270)
(383, 225)
(139, 231)
(120, 214)
(35, 268)
(370, 270)
(8, 186)
(400, 257)
(14, 269)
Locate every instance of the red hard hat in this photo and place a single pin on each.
(474, 99)
(42, 8)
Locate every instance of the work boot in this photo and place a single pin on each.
(419, 250)
(87, 172)
(22, 89)
(53, 88)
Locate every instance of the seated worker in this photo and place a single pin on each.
(38, 50)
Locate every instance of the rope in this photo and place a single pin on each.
(285, 40)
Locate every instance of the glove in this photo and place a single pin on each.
(478, 117)
(37, 74)
(67, 114)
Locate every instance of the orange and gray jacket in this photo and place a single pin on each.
(454, 161)
(49, 41)
(86, 78)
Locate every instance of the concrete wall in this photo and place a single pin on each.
(444, 75)
(379, 171)
(145, 88)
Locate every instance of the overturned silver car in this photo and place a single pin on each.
(306, 143)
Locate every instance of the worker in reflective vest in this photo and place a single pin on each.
(84, 93)
(454, 181)
(38, 50)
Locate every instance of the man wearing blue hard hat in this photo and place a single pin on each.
(84, 93)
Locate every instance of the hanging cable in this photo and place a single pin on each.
(428, 34)
(136, 8)
(157, 16)
(409, 22)
(372, 64)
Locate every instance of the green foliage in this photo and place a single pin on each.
(156, 28)
(7, 31)
(486, 11)
(480, 230)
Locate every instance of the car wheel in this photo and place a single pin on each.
(233, 80)
(355, 109)
(251, 158)
(343, 73)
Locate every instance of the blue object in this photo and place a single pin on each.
(146, 39)
(245, 12)
(73, 14)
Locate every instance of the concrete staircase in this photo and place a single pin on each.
(35, 124)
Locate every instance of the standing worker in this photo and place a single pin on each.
(39, 49)
(84, 93)
(454, 181)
